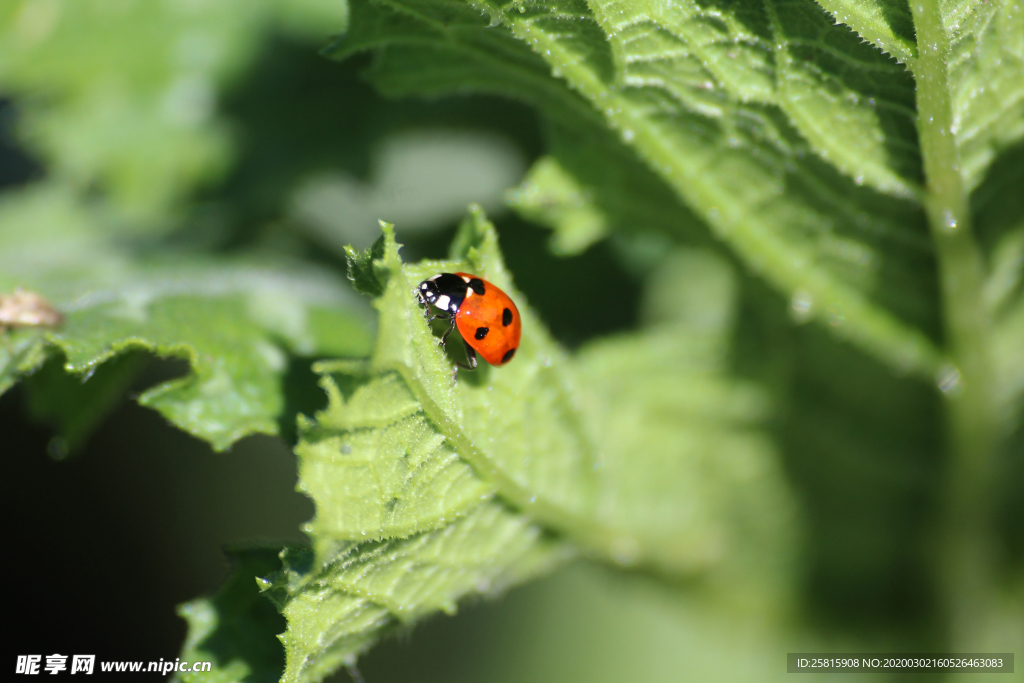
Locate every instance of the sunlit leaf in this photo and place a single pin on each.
(694, 91)
(985, 62)
(888, 25)
(430, 489)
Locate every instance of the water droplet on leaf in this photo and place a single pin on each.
(835, 315)
(625, 550)
(948, 220)
(948, 380)
(58, 448)
(801, 304)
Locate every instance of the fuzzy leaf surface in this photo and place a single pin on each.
(886, 24)
(985, 60)
(429, 490)
(985, 63)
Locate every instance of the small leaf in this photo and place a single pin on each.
(404, 526)
(592, 186)
(236, 629)
(360, 267)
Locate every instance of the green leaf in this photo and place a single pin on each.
(686, 472)
(21, 352)
(236, 629)
(717, 102)
(827, 80)
(984, 65)
(234, 320)
(350, 597)
(998, 210)
(887, 24)
(361, 270)
(429, 489)
(404, 526)
(380, 467)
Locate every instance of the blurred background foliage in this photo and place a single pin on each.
(145, 132)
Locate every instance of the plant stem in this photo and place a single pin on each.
(965, 563)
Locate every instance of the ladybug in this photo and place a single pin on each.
(487, 318)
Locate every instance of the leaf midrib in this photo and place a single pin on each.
(557, 517)
(564, 97)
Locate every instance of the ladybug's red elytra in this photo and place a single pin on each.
(487, 318)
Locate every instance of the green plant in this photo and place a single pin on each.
(818, 198)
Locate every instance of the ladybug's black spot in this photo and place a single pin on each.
(508, 354)
(481, 332)
(506, 317)
(477, 285)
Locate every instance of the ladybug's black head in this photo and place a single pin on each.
(445, 291)
(428, 291)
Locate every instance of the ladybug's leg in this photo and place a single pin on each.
(426, 313)
(444, 337)
(470, 357)
(443, 315)
(424, 303)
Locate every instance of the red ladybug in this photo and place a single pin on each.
(486, 317)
